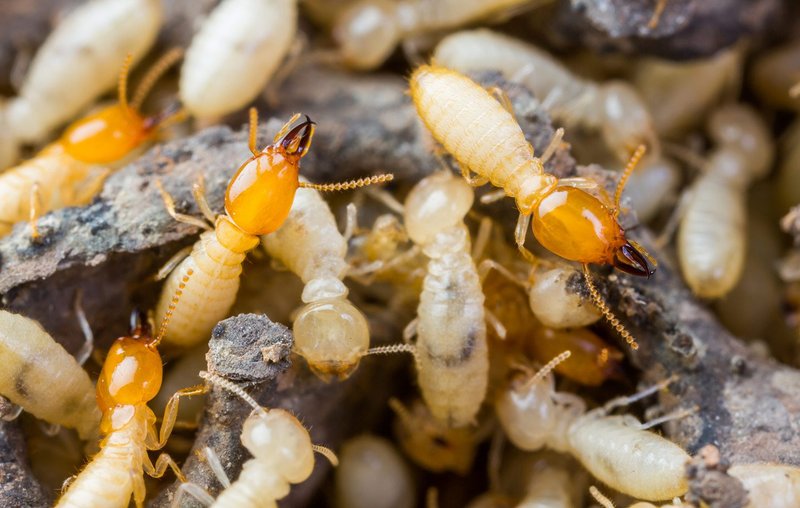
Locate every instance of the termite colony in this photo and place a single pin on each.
(449, 347)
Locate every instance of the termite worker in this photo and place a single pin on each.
(368, 31)
(282, 454)
(244, 38)
(258, 200)
(71, 170)
(484, 138)
(614, 108)
(615, 449)
(40, 376)
(131, 376)
(711, 237)
(78, 62)
(329, 332)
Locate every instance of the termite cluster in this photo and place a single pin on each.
(520, 393)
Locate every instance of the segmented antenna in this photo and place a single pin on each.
(327, 453)
(351, 184)
(154, 73)
(122, 84)
(626, 173)
(171, 309)
(547, 369)
(253, 132)
(233, 388)
(610, 317)
(600, 498)
(656, 17)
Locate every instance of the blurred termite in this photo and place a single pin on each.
(258, 200)
(431, 444)
(71, 170)
(368, 31)
(78, 62)
(248, 39)
(131, 376)
(40, 376)
(775, 74)
(372, 474)
(606, 502)
(772, 485)
(788, 182)
(329, 331)
(711, 237)
(616, 449)
(282, 454)
(485, 139)
(678, 95)
(550, 483)
(614, 108)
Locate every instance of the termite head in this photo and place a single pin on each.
(131, 373)
(260, 194)
(367, 33)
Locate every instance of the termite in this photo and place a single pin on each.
(282, 454)
(775, 74)
(616, 449)
(711, 237)
(550, 483)
(368, 31)
(606, 502)
(773, 485)
(614, 108)
(40, 376)
(71, 170)
(430, 443)
(244, 38)
(78, 62)
(329, 331)
(372, 474)
(484, 138)
(258, 200)
(131, 376)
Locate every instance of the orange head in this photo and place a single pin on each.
(132, 371)
(577, 226)
(260, 194)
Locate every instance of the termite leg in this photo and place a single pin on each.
(674, 220)
(551, 148)
(482, 238)
(488, 265)
(163, 462)
(194, 490)
(410, 330)
(474, 181)
(88, 344)
(677, 414)
(491, 197)
(169, 203)
(216, 467)
(520, 233)
(92, 187)
(139, 489)
(495, 323)
(199, 193)
(502, 97)
(388, 200)
(35, 206)
(627, 400)
(172, 263)
(170, 415)
(351, 222)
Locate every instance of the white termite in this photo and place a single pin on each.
(614, 108)
(769, 485)
(237, 50)
(606, 502)
(329, 331)
(79, 61)
(711, 237)
(38, 375)
(616, 449)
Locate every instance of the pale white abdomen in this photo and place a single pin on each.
(439, 14)
(258, 486)
(80, 60)
(209, 293)
(235, 53)
(635, 462)
(451, 340)
(711, 238)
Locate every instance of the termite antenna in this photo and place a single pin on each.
(233, 388)
(600, 498)
(547, 369)
(656, 17)
(350, 184)
(155, 73)
(122, 84)
(171, 309)
(251, 143)
(610, 317)
(327, 453)
(626, 173)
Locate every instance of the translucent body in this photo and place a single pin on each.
(368, 31)
(592, 362)
(615, 107)
(680, 94)
(553, 303)
(235, 53)
(773, 485)
(711, 238)
(329, 332)
(372, 474)
(549, 486)
(79, 61)
(282, 454)
(774, 72)
(651, 187)
(38, 375)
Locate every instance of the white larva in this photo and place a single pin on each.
(711, 238)
(79, 61)
(235, 53)
(329, 332)
(615, 107)
(37, 374)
